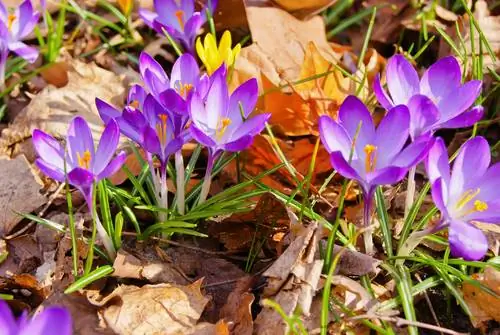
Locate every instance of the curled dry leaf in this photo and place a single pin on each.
(292, 281)
(238, 309)
(20, 192)
(153, 309)
(483, 305)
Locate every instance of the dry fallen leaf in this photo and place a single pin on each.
(153, 309)
(483, 305)
(238, 308)
(19, 192)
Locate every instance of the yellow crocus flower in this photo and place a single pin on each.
(213, 57)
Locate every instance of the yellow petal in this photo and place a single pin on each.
(200, 50)
(225, 42)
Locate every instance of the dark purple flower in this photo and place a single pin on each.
(52, 320)
(379, 156)
(179, 19)
(14, 26)
(470, 192)
(437, 100)
(222, 122)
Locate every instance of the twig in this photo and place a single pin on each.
(429, 303)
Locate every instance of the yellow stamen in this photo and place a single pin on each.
(225, 122)
(161, 128)
(480, 206)
(134, 104)
(184, 89)
(10, 20)
(84, 160)
(371, 157)
(180, 17)
(467, 197)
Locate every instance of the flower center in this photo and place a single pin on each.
(179, 14)
(10, 21)
(467, 197)
(183, 89)
(161, 128)
(225, 122)
(84, 160)
(371, 157)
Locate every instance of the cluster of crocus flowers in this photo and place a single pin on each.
(466, 194)
(371, 156)
(14, 26)
(52, 320)
(212, 56)
(179, 19)
(80, 164)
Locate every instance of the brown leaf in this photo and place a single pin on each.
(238, 308)
(304, 8)
(19, 192)
(24, 256)
(153, 309)
(483, 305)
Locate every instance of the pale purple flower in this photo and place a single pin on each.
(52, 320)
(14, 26)
(179, 19)
(437, 100)
(467, 193)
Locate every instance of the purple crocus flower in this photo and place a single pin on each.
(179, 19)
(438, 100)
(14, 26)
(371, 156)
(84, 165)
(221, 121)
(52, 320)
(468, 193)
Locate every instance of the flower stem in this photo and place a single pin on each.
(410, 191)
(163, 200)
(207, 180)
(367, 234)
(179, 167)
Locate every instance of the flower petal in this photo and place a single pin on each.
(471, 163)
(53, 320)
(8, 323)
(217, 101)
(440, 195)
(106, 111)
(392, 134)
(107, 146)
(172, 101)
(436, 164)
(240, 144)
(147, 16)
(387, 176)
(136, 93)
(459, 100)
(154, 77)
(151, 142)
(441, 78)
(48, 149)
(252, 126)
(79, 140)
(466, 119)
(352, 113)
(334, 137)
(80, 177)
(489, 184)
(382, 96)
(30, 54)
(113, 166)
(198, 112)
(402, 79)
(424, 115)
(342, 166)
(245, 95)
(185, 71)
(413, 153)
(201, 137)
(27, 20)
(50, 170)
(467, 241)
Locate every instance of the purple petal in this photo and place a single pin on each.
(441, 78)
(489, 184)
(166, 8)
(466, 119)
(185, 71)
(217, 101)
(136, 93)
(342, 166)
(8, 325)
(3, 12)
(191, 29)
(246, 94)
(467, 241)
(436, 164)
(53, 320)
(490, 215)
(27, 19)
(387, 176)
(203, 86)
(22, 50)
(382, 96)
(334, 137)
(79, 140)
(154, 77)
(252, 126)
(172, 101)
(402, 79)
(471, 163)
(80, 177)
(50, 170)
(200, 137)
(106, 111)
(413, 153)
(392, 134)
(107, 146)
(151, 142)
(113, 166)
(424, 115)
(147, 16)
(352, 113)
(240, 144)
(459, 100)
(152, 109)
(174, 146)
(48, 149)
(134, 118)
(440, 195)
(198, 112)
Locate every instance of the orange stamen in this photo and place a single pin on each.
(84, 160)
(180, 17)
(371, 157)
(10, 20)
